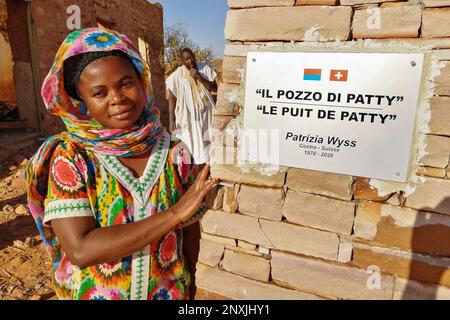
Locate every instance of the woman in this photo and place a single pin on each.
(111, 195)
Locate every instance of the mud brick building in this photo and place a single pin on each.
(300, 234)
(32, 31)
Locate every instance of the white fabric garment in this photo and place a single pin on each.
(193, 115)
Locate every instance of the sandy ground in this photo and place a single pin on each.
(24, 263)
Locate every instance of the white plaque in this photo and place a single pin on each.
(347, 113)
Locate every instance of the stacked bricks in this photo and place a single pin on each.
(300, 234)
(135, 18)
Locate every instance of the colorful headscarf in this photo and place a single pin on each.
(82, 129)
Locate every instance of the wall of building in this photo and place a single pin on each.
(17, 31)
(3, 18)
(7, 93)
(298, 234)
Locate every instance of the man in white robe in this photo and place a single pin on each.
(191, 105)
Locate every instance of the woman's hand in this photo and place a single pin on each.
(193, 198)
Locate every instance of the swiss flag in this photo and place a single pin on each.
(339, 75)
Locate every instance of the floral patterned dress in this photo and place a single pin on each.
(83, 183)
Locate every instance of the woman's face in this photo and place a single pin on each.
(112, 92)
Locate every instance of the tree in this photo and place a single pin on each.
(176, 38)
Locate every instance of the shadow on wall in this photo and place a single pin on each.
(424, 237)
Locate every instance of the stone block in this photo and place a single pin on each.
(214, 199)
(393, 22)
(327, 279)
(442, 82)
(252, 177)
(415, 290)
(440, 116)
(210, 252)
(239, 288)
(354, 2)
(247, 265)
(436, 3)
(400, 227)
(319, 212)
(261, 202)
(218, 239)
(402, 263)
(246, 245)
(430, 194)
(228, 96)
(235, 4)
(300, 23)
(327, 184)
(316, 2)
(364, 191)
(234, 226)
(202, 294)
(301, 240)
(437, 151)
(345, 250)
(368, 215)
(436, 23)
(230, 203)
(233, 69)
(431, 172)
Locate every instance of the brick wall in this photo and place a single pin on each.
(135, 18)
(299, 234)
(3, 17)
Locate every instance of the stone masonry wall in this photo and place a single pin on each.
(3, 17)
(299, 234)
(135, 18)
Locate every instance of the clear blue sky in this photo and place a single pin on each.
(203, 19)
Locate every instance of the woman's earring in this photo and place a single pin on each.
(83, 109)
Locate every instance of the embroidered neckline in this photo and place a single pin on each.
(139, 188)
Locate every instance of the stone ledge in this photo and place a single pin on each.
(354, 2)
(234, 226)
(316, 2)
(321, 183)
(328, 279)
(251, 177)
(237, 4)
(402, 263)
(395, 22)
(289, 23)
(239, 288)
(436, 3)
